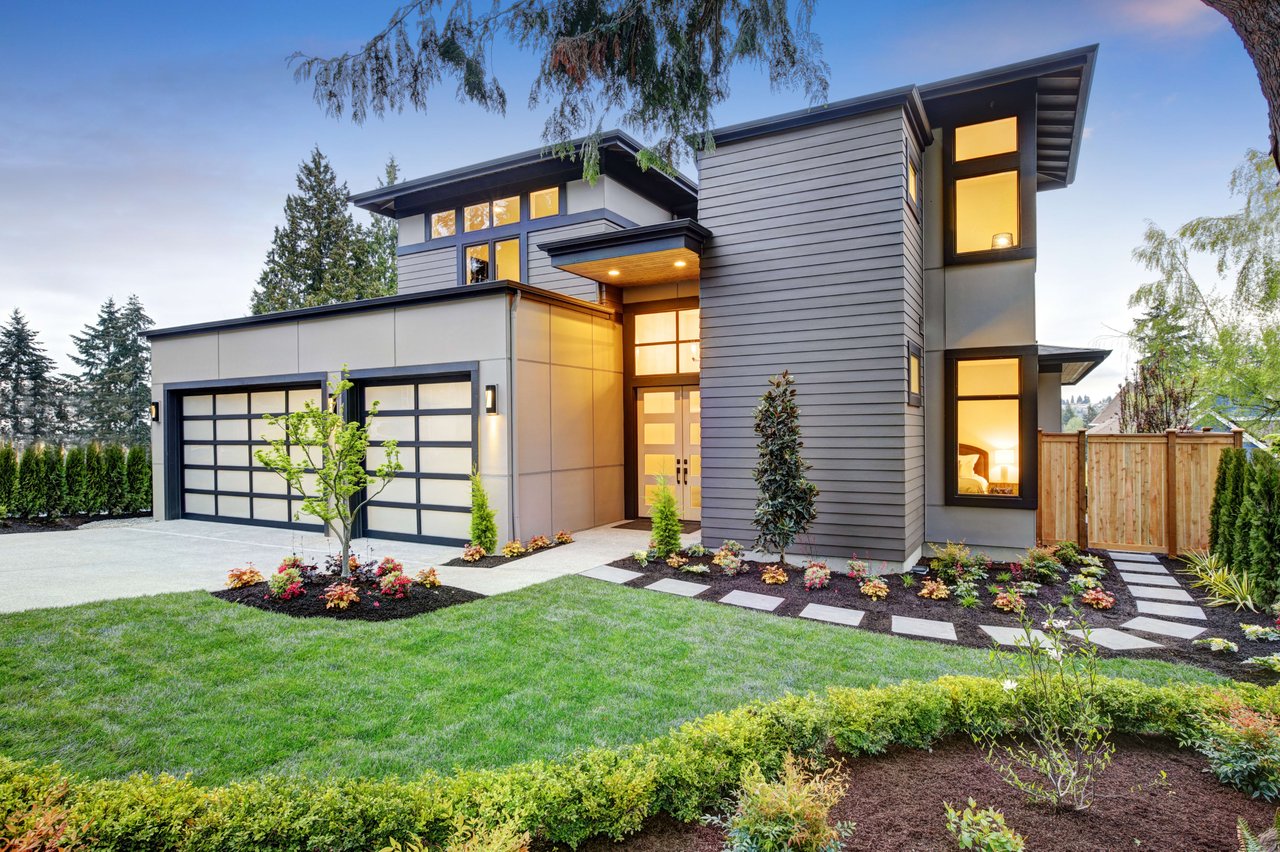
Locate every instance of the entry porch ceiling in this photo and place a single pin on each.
(666, 253)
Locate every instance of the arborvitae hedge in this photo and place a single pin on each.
(113, 477)
(55, 482)
(75, 479)
(1229, 501)
(8, 477)
(29, 496)
(95, 487)
(1219, 492)
(137, 470)
(1262, 507)
(45, 481)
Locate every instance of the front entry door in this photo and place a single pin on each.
(669, 440)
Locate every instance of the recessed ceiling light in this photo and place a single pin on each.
(681, 264)
(614, 272)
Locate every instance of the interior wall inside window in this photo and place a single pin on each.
(986, 210)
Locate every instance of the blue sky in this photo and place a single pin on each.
(147, 148)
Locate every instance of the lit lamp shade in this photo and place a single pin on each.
(1006, 464)
(1002, 240)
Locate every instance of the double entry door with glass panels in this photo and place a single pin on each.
(669, 441)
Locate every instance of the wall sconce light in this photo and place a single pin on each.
(155, 412)
(490, 399)
(1002, 241)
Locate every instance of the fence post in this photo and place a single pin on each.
(1171, 492)
(1082, 499)
(1237, 438)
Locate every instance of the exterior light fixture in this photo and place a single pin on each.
(680, 264)
(614, 273)
(1002, 241)
(155, 412)
(490, 399)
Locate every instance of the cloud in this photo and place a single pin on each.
(1164, 18)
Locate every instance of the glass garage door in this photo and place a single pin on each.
(434, 426)
(221, 479)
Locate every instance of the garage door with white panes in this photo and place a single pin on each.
(433, 425)
(221, 479)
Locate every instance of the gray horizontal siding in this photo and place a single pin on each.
(543, 274)
(809, 270)
(435, 269)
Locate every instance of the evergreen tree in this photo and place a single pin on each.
(1246, 517)
(113, 478)
(75, 479)
(383, 237)
(664, 518)
(1219, 492)
(787, 503)
(1229, 505)
(29, 496)
(55, 481)
(484, 531)
(115, 379)
(8, 478)
(28, 385)
(95, 487)
(320, 255)
(1264, 528)
(138, 476)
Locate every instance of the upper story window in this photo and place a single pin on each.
(986, 192)
(495, 261)
(475, 217)
(506, 211)
(544, 202)
(667, 342)
(987, 212)
(987, 139)
(444, 223)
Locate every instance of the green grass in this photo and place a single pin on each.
(187, 683)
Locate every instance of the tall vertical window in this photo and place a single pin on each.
(913, 182)
(506, 256)
(667, 342)
(989, 427)
(985, 192)
(544, 202)
(915, 375)
(477, 264)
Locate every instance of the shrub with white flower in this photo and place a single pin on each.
(1260, 633)
(1009, 684)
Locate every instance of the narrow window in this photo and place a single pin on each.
(506, 256)
(915, 380)
(544, 202)
(444, 223)
(477, 263)
(987, 212)
(506, 211)
(913, 183)
(476, 217)
(988, 427)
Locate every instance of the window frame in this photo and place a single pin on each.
(915, 205)
(1028, 445)
(914, 350)
(560, 202)
(462, 255)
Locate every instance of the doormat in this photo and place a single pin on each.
(644, 525)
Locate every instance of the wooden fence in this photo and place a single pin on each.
(1129, 492)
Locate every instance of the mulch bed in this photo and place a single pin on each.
(897, 799)
(497, 559)
(16, 525)
(843, 592)
(372, 606)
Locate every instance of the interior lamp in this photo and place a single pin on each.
(1002, 240)
(1006, 462)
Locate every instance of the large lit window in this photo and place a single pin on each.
(444, 223)
(987, 212)
(506, 256)
(988, 427)
(544, 202)
(477, 264)
(987, 139)
(506, 211)
(667, 342)
(475, 217)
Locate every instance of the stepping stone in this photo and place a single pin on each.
(678, 587)
(1170, 610)
(1013, 636)
(1116, 640)
(1163, 628)
(1126, 556)
(1141, 568)
(1148, 579)
(1160, 594)
(610, 574)
(752, 600)
(924, 627)
(833, 614)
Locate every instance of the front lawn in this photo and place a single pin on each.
(188, 683)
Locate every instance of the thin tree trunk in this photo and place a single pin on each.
(1257, 22)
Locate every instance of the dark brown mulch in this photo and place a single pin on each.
(372, 606)
(843, 591)
(897, 799)
(646, 524)
(16, 525)
(497, 559)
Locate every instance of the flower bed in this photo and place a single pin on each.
(473, 557)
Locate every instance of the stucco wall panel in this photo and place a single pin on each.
(267, 351)
(184, 359)
(361, 341)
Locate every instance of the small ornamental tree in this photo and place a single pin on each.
(75, 479)
(137, 474)
(113, 478)
(95, 487)
(484, 530)
(665, 520)
(55, 481)
(8, 477)
(787, 503)
(331, 475)
(30, 493)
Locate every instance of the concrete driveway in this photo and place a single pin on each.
(102, 562)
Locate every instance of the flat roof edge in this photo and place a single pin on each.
(907, 97)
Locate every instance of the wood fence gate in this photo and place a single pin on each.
(1129, 492)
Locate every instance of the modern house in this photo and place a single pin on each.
(574, 341)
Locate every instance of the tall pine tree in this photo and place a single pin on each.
(115, 379)
(28, 385)
(383, 237)
(320, 255)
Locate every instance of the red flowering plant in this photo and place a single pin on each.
(564, 537)
(340, 596)
(816, 576)
(395, 585)
(285, 584)
(857, 568)
(538, 542)
(389, 565)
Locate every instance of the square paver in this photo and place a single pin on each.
(752, 600)
(924, 627)
(1148, 579)
(1127, 556)
(1141, 568)
(678, 587)
(1116, 640)
(1013, 636)
(1163, 628)
(833, 614)
(1154, 594)
(610, 574)
(1169, 610)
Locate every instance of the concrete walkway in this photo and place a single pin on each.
(104, 562)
